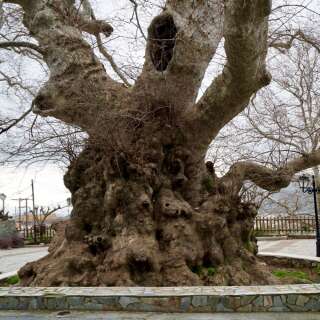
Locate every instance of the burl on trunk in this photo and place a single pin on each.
(147, 210)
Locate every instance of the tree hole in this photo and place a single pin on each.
(162, 35)
(87, 227)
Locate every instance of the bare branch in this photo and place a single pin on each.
(298, 35)
(1, 14)
(135, 8)
(20, 44)
(110, 59)
(90, 14)
(14, 122)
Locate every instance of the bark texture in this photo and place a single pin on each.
(146, 210)
(131, 225)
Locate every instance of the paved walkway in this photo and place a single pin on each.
(14, 259)
(298, 247)
(157, 316)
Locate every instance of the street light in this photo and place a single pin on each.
(304, 184)
(3, 198)
(69, 204)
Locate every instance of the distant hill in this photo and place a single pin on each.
(289, 200)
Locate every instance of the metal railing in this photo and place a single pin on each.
(285, 225)
(37, 234)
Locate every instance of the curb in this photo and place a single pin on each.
(288, 256)
(272, 238)
(284, 298)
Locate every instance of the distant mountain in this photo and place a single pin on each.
(290, 200)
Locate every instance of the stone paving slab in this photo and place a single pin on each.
(14, 259)
(161, 291)
(294, 298)
(157, 316)
(299, 247)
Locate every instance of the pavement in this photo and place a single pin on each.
(157, 316)
(304, 248)
(13, 259)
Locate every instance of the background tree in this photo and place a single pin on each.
(146, 209)
(281, 122)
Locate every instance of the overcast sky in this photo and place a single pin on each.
(48, 184)
(48, 179)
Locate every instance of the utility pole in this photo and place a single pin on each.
(27, 216)
(34, 213)
(20, 214)
(32, 188)
(20, 210)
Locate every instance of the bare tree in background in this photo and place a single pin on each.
(282, 121)
(41, 214)
(147, 210)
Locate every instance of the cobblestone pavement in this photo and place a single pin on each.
(301, 247)
(158, 316)
(14, 259)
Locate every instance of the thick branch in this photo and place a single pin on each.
(245, 32)
(78, 89)
(266, 178)
(94, 27)
(181, 43)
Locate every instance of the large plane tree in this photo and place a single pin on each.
(147, 209)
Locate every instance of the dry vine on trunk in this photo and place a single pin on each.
(146, 209)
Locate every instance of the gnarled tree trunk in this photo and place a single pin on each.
(147, 210)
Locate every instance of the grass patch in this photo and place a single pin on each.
(202, 271)
(11, 281)
(211, 271)
(282, 273)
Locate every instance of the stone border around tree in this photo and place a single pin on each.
(288, 298)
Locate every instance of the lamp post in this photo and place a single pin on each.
(3, 198)
(304, 184)
(68, 204)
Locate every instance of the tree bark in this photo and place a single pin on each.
(146, 210)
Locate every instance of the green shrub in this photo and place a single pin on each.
(203, 271)
(211, 271)
(12, 280)
(281, 273)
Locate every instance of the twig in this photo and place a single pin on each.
(16, 121)
(135, 8)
